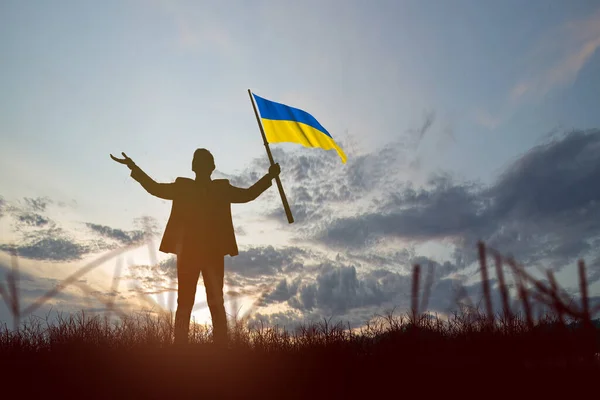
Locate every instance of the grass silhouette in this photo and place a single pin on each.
(134, 356)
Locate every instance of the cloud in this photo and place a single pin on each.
(42, 238)
(557, 60)
(38, 204)
(28, 216)
(119, 235)
(411, 214)
(283, 291)
(49, 248)
(546, 205)
(553, 178)
(543, 208)
(548, 202)
(33, 219)
(265, 261)
(28, 213)
(338, 289)
(319, 186)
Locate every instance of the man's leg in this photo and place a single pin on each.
(188, 271)
(213, 272)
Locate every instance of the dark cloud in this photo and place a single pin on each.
(38, 204)
(337, 289)
(546, 206)
(33, 219)
(550, 199)
(283, 291)
(551, 179)
(261, 261)
(49, 249)
(28, 215)
(41, 238)
(119, 235)
(48, 243)
(440, 211)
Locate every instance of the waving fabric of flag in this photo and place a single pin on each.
(283, 123)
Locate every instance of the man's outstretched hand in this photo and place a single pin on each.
(274, 170)
(126, 160)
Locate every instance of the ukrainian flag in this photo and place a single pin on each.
(283, 123)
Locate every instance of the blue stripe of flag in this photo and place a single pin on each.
(280, 112)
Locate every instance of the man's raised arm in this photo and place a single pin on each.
(240, 195)
(162, 190)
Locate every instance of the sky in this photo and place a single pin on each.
(462, 121)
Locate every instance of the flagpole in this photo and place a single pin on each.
(286, 206)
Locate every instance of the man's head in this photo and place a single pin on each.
(203, 162)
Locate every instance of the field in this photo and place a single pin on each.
(399, 354)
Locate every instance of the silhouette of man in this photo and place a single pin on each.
(200, 232)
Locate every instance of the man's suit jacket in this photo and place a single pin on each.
(200, 213)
